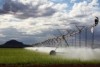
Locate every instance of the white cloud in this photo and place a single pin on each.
(60, 7)
(94, 3)
(85, 11)
(73, 1)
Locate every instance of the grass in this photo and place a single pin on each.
(23, 56)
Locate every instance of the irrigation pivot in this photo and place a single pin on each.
(66, 38)
(63, 37)
(80, 28)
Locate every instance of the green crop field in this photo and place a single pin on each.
(23, 56)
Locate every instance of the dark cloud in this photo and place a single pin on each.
(26, 10)
(11, 6)
(81, 16)
(34, 13)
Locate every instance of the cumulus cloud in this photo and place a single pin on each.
(32, 20)
(84, 9)
(30, 8)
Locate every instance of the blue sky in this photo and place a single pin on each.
(70, 3)
(1, 3)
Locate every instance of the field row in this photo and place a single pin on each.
(23, 56)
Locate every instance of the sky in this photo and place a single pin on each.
(32, 21)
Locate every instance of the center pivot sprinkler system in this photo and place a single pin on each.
(70, 39)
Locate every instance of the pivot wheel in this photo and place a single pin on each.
(52, 52)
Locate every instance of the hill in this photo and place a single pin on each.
(14, 44)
